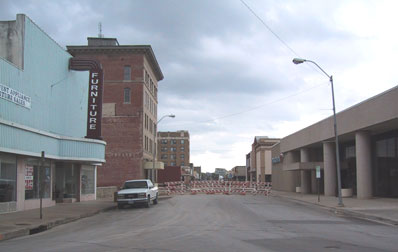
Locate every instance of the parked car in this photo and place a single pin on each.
(137, 192)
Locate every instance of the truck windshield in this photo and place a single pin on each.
(135, 184)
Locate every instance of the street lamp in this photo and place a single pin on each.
(154, 141)
(299, 61)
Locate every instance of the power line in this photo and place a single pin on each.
(276, 35)
(254, 108)
(269, 28)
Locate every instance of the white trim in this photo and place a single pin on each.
(44, 133)
(55, 157)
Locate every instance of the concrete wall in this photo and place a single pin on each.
(56, 119)
(365, 114)
(283, 180)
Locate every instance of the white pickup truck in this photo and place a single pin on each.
(136, 192)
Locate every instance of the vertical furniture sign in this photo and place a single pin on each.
(96, 80)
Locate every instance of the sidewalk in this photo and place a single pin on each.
(381, 210)
(28, 222)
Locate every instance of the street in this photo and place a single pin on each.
(213, 223)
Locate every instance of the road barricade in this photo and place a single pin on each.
(216, 187)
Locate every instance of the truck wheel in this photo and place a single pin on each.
(120, 205)
(148, 203)
(155, 201)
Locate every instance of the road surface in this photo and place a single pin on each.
(213, 223)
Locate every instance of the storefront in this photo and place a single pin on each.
(48, 148)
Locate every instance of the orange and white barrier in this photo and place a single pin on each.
(217, 187)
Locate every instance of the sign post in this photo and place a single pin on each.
(41, 183)
(318, 178)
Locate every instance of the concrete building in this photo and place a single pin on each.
(239, 173)
(260, 158)
(131, 75)
(173, 148)
(251, 173)
(49, 146)
(368, 138)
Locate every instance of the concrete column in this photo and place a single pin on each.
(329, 164)
(313, 182)
(305, 174)
(364, 165)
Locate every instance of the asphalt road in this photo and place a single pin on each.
(213, 223)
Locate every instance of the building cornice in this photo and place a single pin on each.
(134, 49)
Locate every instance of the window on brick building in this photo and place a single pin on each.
(164, 141)
(182, 163)
(127, 95)
(173, 149)
(173, 141)
(164, 148)
(182, 141)
(164, 156)
(172, 164)
(182, 156)
(127, 73)
(182, 148)
(172, 156)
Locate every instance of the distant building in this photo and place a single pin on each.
(220, 171)
(173, 148)
(169, 174)
(239, 173)
(251, 173)
(44, 110)
(129, 112)
(260, 157)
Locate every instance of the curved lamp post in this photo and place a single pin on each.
(154, 141)
(299, 61)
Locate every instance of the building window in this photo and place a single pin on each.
(182, 163)
(386, 148)
(172, 164)
(182, 156)
(163, 156)
(172, 156)
(88, 179)
(164, 141)
(350, 152)
(127, 73)
(173, 141)
(127, 95)
(35, 177)
(182, 141)
(8, 177)
(174, 149)
(164, 149)
(182, 148)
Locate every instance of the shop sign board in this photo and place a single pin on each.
(14, 96)
(29, 178)
(318, 172)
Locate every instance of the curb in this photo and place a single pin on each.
(46, 226)
(346, 212)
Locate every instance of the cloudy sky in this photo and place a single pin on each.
(229, 76)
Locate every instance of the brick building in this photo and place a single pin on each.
(131, 75)
(173, 148)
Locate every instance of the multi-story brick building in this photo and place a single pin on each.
(173, 148)
(131, 75)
